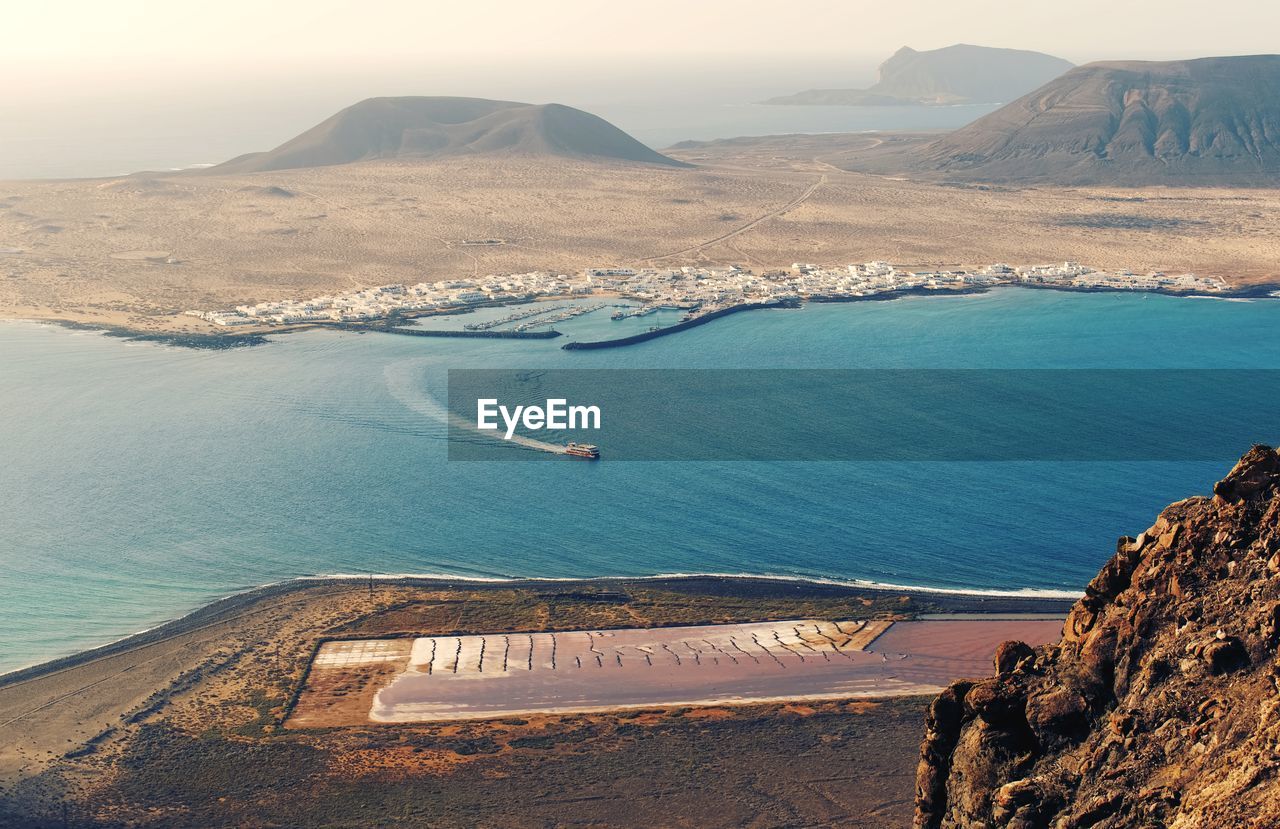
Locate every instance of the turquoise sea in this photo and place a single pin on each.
(138, 481)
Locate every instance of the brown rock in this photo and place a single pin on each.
(1011, 798)
(1058, 717)
(1098, 658)
(994, 702)
(1079, 622)
(1161, 704)
(1226, 655)
(1009, 655)
(1255, 473)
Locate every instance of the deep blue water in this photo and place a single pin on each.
(139, 481)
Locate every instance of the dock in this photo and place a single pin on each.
(654, 333)
(549, 334)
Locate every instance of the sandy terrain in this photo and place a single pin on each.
(138, 251)
(173, 727)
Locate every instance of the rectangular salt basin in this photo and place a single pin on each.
(498, 675)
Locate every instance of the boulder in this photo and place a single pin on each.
(1160, 706)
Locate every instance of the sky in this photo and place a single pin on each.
(84, 32)
(99, 87)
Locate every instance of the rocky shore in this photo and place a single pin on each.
(1159, 705)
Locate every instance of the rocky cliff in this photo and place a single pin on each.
(1159, 706)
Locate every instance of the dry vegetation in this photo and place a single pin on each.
(137, 251)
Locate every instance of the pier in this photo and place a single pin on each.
(549, 334)
(567, 314)
(516, 317)
(654, 333)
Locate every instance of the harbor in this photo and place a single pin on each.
(689, 321)
(698, 291)
(405, 331)
(510, 318)
(567, 313)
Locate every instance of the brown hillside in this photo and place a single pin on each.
(1210, 121)
(1159, 706)
(419, 127)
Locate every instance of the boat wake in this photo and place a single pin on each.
(408, 381)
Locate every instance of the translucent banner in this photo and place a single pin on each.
(849, 415)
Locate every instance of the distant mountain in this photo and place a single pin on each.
(960, 74)
(422, 127)
(1207, 121)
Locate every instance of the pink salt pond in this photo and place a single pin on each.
(499, 675)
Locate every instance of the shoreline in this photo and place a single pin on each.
(390, 325)
(220, 611)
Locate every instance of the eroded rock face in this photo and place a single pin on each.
(1160, 706)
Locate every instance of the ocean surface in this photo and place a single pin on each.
(662, 126)
(139, 481)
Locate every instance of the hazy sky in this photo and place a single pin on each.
(82, 32)
(98, 87)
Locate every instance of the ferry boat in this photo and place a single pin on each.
(583, 450)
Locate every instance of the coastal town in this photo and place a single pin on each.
(696, 290)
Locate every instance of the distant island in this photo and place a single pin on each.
(960, 74)
(1205, 122)
(419, 127)
(436, 190)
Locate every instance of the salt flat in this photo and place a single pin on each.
(500, 675)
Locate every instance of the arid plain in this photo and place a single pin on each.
(138, 251)
(185, 725)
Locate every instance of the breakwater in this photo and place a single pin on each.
(181, 339)
(479, 335)
(680, 326)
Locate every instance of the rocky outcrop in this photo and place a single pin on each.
(1160, 706)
